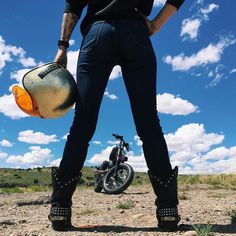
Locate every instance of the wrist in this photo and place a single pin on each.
(63, 44)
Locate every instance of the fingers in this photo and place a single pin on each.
(61, 58)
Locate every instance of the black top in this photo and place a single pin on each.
(112, 9)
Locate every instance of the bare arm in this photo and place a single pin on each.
(69, 22)
(162, 17)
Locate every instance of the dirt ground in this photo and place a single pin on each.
(97, 213)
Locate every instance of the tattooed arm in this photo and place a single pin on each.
(69, 22)
(72, 13)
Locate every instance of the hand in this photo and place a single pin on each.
(61, 56)
(151, 26)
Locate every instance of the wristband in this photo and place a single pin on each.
(63, 43)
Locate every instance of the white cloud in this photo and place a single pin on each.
(209, 55)
(233, 71)
(97, 159)
(110, 95)
(158, 3)
(18, 75)
(192, 138)
(113, 142)
(169, 104)
(36, 156)
(9, 108)
(6, 143)
(210, 8)
(72, 42)
(96, 142)
(217, 154)
(190, 27)
(7, 52)
(116, 73)
(138, 141)
(217, 74)
(2, 155)
(27, 62)
(29, 136)
(65, 136)
(72, 62)
(55, 162)
(137, 162)
(190, 148)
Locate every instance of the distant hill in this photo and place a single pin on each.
(40, 178)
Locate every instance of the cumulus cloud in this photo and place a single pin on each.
(137, 162)
(191, 26)
(29, 136)
(36, 156)
(169, 104)
(9, 108)
(110, 95)
(208, 55)
(96, 142)
(233, 71)
(18, 75)
(210, 8)
(72, 61)
(192, 149)
(2, 155)
(55, 162)
(9, 53)
(98, 158)
(27, 62)
(192, 138)
(158, 3)
(65, 136)
(6, 143)
(116, 73)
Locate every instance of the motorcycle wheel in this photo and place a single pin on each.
(119, 182)
(98, 185)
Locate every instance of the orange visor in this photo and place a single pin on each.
(24, 101)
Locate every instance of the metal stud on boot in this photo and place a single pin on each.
(63, 189)
(167, 200)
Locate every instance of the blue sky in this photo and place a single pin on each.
(196, 88)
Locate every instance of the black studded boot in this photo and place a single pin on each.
(63, 189)
(167, 200)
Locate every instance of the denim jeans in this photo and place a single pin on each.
(106, 44)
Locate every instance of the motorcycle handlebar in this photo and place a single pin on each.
(126, 145)
(118, 136)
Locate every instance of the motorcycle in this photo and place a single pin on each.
(114, 176)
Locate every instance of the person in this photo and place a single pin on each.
(115, 32)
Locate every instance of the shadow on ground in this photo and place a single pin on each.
(216, 228)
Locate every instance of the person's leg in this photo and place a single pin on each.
(93, 70)
(139, 72)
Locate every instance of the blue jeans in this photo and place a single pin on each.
(106, 44)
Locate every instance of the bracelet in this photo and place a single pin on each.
(63, 43)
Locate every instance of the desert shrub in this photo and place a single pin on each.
(203, 230)
(125, 205)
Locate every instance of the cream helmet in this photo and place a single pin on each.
(49, 91)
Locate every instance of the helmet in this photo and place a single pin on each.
(49, 91)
